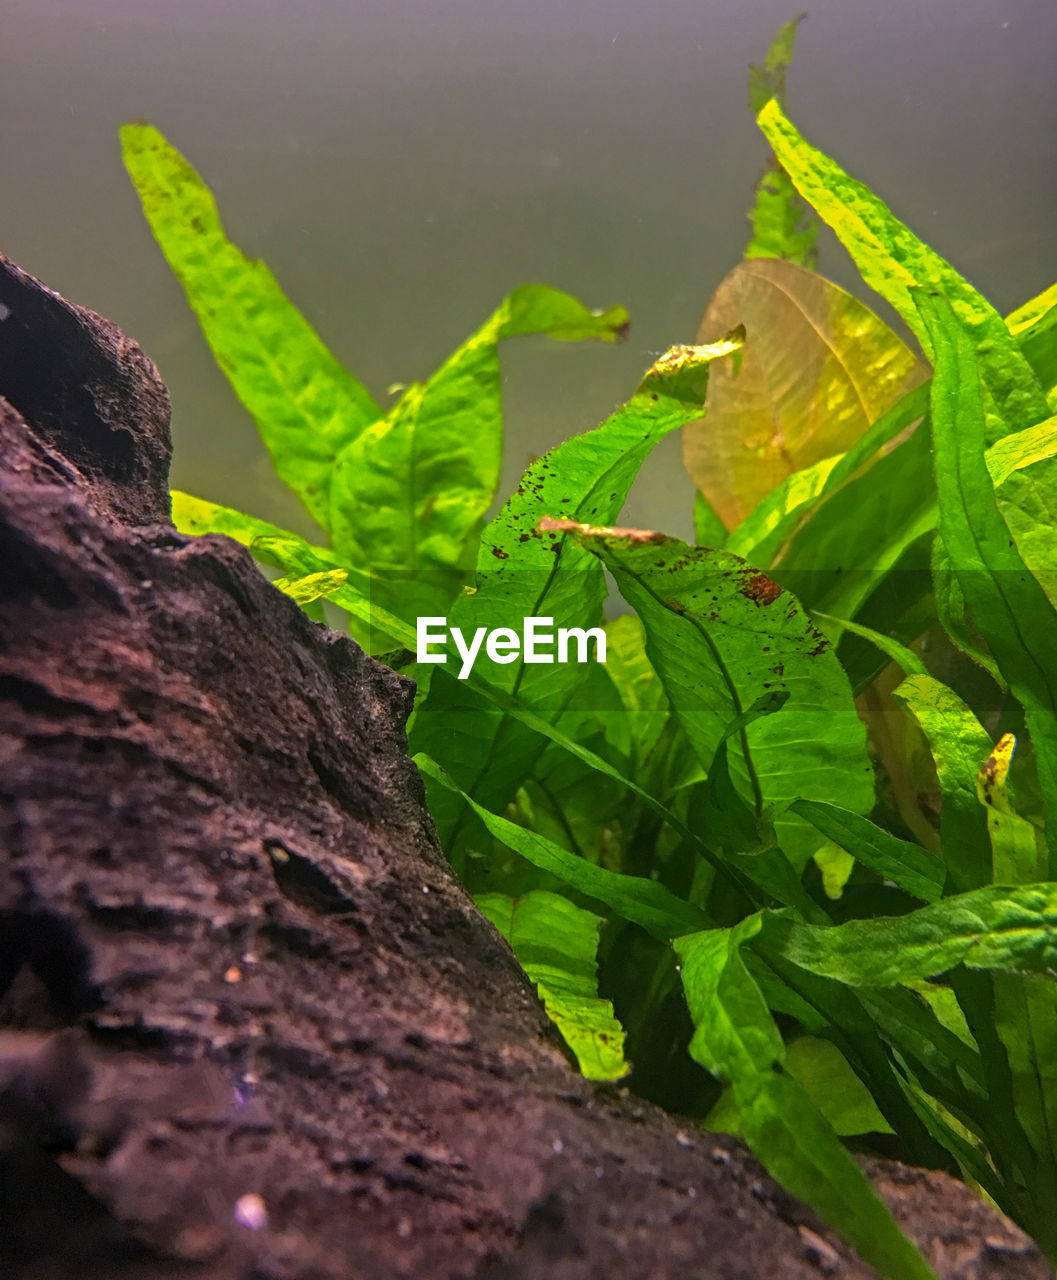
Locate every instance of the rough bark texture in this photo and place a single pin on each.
(252, 1028)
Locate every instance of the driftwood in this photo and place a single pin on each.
(250, 1026)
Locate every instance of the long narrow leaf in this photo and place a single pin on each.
(1006, 602)
(894, 261)
(306, 406)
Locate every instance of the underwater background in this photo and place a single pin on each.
(401, 165)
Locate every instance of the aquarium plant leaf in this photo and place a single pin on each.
(640, 692)
(197, 516)
(783, 224)
(892, 649)
(959, 746)
(312, 586)
(817, 369)
(736, 1038)
(763, 532)
(833, 1088)
(556, 943)
(1025, 1006)
(306, 406)
(525, 573)
(721, 636)
(908, 865)
(644, 902)
(1005, 928)
(1006, 602)
(408, 493)
(893, 261)
(1035, 327)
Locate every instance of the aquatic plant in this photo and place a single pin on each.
(783, 822)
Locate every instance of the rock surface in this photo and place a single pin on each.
(250, 1026)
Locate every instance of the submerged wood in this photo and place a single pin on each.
(250, 1025)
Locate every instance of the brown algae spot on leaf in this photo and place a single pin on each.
(758, 588)
(500, 554)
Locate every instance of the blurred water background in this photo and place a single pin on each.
(402, 164)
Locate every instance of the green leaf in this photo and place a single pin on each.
(644, 902)
(722, 636)
(898, 653)
(863, 531)
(1010, 929)
(894, 261)
(736, 1039)
(959, 746)
(1024, 471)
(833, 1088)
(1035, 328)
(312, 586)
(908, 865)
(817, 369)
(306, 406)
(767, 79)
(556, 943)
(782, 224)
(1006, 602)
(408, 493)
(641, 693)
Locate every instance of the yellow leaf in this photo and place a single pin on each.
(817, 368)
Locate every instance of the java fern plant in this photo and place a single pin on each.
(783, 827)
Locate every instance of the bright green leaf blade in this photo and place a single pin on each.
(862, 532)
(1035, 327)
(894, 261)
(723, 636)
(898, 653)
(1005, 600)
(197, 516)
(959, 746)
(822, 1071)
(736, 1039)
(312, 586)
(644, 902)
(641, 693)
(908, 865)
(1004, 928)
(556, 943)
(410, 490)
(306, 406)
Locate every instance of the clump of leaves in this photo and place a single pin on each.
(784, 823)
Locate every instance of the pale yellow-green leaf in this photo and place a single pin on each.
(816, 370)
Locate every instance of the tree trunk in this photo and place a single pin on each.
(251, 1026)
